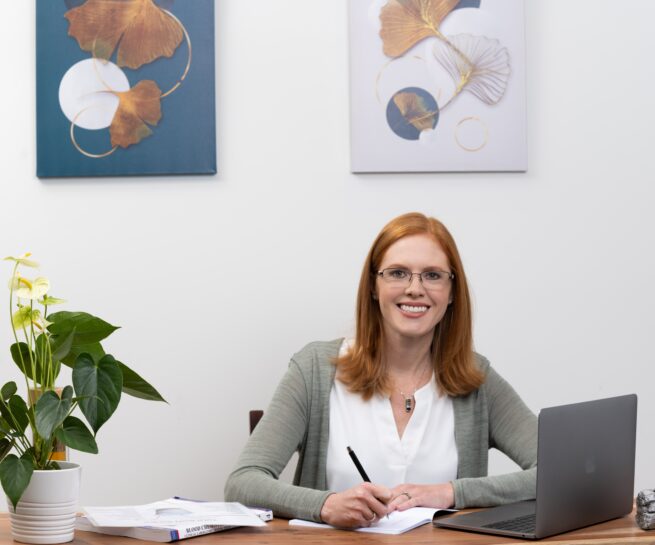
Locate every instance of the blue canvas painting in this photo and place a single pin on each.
(125, 88)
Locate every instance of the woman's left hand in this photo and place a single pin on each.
(437, 496)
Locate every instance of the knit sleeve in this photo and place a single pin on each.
(513, 431)
(255, 480)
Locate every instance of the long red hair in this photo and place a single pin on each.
(455, 368)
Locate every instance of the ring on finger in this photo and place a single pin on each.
(406, 494)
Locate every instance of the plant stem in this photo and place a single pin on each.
(13, 329)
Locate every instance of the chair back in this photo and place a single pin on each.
(255, 417)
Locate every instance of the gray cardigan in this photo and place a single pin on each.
(298, 420)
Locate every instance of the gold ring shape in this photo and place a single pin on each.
(483, 137)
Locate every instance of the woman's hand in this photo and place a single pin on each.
(356, 507)
(437, 496)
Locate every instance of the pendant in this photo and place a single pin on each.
(408, 404)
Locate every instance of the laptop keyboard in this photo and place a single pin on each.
(525, 524)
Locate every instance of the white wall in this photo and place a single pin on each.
(217, 281)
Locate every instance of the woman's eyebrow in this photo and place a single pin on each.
(426, 268)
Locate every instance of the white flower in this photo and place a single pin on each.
(23, 260)
(29, 289)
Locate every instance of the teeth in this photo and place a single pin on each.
(408, 308)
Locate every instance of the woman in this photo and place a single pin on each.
(408, 394)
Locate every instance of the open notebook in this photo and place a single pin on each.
(398, 522)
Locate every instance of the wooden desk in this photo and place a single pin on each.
(278, 532)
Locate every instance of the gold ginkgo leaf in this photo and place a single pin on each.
(414, 110)
(407, 22)
(141, 30)
(477, 64)
(137, 108)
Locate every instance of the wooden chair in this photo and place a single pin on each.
(255, 417)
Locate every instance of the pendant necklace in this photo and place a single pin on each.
(409, 400)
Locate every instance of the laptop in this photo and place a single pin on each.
(585, 473)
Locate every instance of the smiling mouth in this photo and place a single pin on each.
(414, 309)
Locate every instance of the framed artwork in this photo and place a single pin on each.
(125, 87)
(437, 85)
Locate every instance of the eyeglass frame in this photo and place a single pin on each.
(449, 275)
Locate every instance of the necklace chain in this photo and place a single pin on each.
(408, 400)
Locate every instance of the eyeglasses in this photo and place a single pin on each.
(435, 280)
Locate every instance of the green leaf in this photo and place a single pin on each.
(76, 435)
(49, 300)
(50, 413)
(8, 390)
(61, 345)
(5, 446)
(4, 426)
(135, 386)
(88, 328)
(15, 475)
(67, 393)
(15, 414)
(100, 385)
(95, 350)
(20, 353)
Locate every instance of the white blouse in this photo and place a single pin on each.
(426, 453)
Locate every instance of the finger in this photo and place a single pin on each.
(397, 499)
(379, 491)
(365, 517)
(377, 507)
(377, 499)
(407, 504)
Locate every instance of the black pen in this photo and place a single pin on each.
(359, 467)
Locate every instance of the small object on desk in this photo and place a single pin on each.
(170, 520)
(646, 510)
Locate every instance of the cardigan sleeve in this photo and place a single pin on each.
(513, 431)
(281, 431)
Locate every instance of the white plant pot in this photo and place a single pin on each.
(46, 511)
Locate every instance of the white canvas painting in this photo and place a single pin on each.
(437, 85)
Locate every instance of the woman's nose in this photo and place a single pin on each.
(415, 286)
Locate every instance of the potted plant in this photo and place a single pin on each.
(32, 425)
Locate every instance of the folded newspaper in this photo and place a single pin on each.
(170, 520)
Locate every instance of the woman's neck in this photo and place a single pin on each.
(407, 357)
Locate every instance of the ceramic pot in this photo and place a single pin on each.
(46, 511)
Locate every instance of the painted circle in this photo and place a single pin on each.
(471, 134)
(410, 111)
(84, 95)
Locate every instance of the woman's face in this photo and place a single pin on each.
(412, 309)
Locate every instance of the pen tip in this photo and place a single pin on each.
(349, 449)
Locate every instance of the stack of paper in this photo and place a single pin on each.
(170, 520)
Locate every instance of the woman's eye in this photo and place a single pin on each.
(432, 276)
(398, 273)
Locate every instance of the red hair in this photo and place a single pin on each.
(455, 368)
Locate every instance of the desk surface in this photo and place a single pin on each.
(619, 531)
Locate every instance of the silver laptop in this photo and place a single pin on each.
(585, 473)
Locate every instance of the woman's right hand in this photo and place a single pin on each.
(356, 507)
